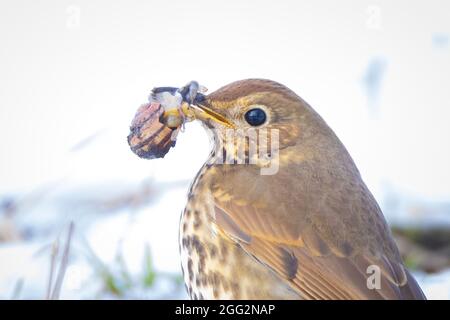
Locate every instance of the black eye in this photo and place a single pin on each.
(255, 117)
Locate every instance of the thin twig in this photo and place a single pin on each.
(63, 265)
(17, 289)
(53, 256)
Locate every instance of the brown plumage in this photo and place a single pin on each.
(310, 231)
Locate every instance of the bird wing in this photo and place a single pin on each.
(323, 245)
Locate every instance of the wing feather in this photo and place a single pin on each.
(310, 268)
(321, 239)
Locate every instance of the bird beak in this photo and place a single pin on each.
(206, 114)
(199, 112)
(194, 106)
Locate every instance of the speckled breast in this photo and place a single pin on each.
(214, 266)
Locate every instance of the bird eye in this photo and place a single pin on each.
(255, 117)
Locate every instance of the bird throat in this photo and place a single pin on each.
(258, 147)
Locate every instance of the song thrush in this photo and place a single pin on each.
(309, 230)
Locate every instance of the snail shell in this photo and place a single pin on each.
(151, 136)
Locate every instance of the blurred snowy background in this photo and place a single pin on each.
(73, 73)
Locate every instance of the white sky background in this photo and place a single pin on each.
(69, 69)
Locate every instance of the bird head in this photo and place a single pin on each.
(261, 108)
